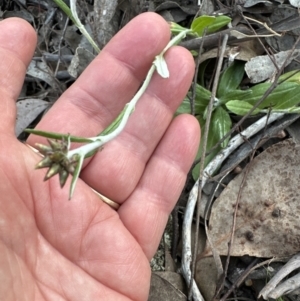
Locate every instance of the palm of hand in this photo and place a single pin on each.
(52, 249)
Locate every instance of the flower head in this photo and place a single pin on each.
(55, 158)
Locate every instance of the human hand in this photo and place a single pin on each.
(53, 249)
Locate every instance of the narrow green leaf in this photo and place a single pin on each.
(292, 76)
(240, 107)
(65, 8)
(284, 90)
(202, 98)
(202, 94)
(221, 124)
(212, 140)
(199, 24)
(218, 23)
(176, 29)
(231, 78)
(290, 99)
(57, 136)
(202, 72)
(114, 124)
(185, 107)
(236, 94)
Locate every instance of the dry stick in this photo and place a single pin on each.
(192, 102)
(195, 77)
(211, 168)
(234, 221)
(259, 40)
(207, 124)
(240, 280)
(244, 275)
(233, 227)
(59, 46)
(216, 255)
(270, 289)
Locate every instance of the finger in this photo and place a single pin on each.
(17, 44)
(116, 170)
(146, 212)
(110, 81)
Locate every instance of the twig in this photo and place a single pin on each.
(207, 125)
(195, 77)
(216, 255)
(81, 27)
(265, 25)
(240, 280)
(234, 143)
(270, 290)
(234, 223)
(59, 46)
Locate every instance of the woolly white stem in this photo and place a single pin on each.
(162, 70)
(81, 27)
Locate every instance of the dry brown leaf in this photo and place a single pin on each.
(244, 51)
(268, 221)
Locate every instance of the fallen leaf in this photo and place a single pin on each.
(41, 71)
(268, 213)
(167, 286)
(261, 67)
(27, 111)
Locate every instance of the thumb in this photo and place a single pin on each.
(17, 44)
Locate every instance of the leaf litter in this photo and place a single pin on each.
(267, 223)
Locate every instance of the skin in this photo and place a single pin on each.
(55, 249)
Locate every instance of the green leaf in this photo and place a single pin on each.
(292, 76)
(199, 24)
(202, 99)
(240, 107)
(114, 124)
(201, 72)
(290, 99)
(231, 78)
(221, 124)
(185, 107)
(202, 94)
(58, 136)
(65, 8)
(236, 94)
(218, 23)
(176, 29)
(281, 92)
(212, 140)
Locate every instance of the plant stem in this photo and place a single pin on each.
(112, 131)
(99, 141)
(81, 27)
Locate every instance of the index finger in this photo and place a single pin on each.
(90, 104)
